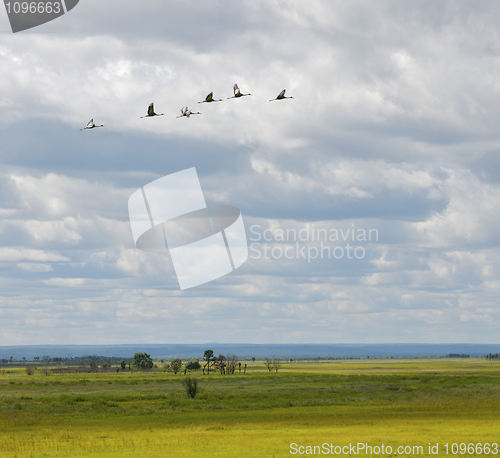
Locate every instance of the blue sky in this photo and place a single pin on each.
(393, 127)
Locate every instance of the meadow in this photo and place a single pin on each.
(258, 414)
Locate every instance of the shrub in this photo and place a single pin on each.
(30, 370)
(193, 365)
(190, 384)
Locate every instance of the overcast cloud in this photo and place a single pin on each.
(394, 128)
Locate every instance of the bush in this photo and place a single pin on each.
(190, 384)
(30, 370)
(193, 365)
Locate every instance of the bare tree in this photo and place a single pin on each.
(231, 361)
(220, 363)
(269, 364)
(277, 363)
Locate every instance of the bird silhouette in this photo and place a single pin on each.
(187, 112)
(237, 93)
(281, 96)
(91, 125)
(210, 98)
(151, 112)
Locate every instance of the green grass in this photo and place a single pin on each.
(396, 402)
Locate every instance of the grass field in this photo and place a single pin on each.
(257, 414)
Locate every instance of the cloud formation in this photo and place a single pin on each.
(392, 128)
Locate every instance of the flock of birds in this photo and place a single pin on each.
(186, 112)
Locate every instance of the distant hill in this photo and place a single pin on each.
(251, 350)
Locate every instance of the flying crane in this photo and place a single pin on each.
(91, 125)
(281, 96)
(210, 98)
(151, 112)
(237, 93)
(185, 111)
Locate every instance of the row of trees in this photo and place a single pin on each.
(227, 364)
(70, 361)
(143, 361)
(224, 364)
(491, 357)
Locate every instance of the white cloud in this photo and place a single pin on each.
(33, 267)
(470, 216)
(26, 254)
(65, 282)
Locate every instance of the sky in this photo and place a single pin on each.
(393, 132)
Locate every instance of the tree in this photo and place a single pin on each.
(253, 359)
(191, 386)
(220, 363)
(176, 365)
(142, 361)
(30, 369)
(208, 356)
(277, 363)
(231, 361)
(123, 365)
(193, 365)
(269, 364)
(93, 366)
(36, 358)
